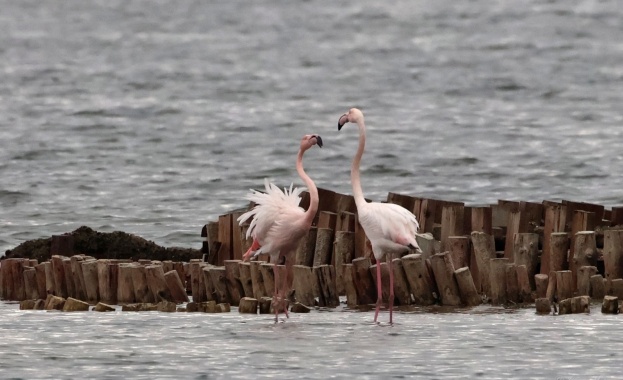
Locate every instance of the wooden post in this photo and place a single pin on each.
(31, 291)
(257, 280)
(210, 292)
(564, 284)
(212, 229)
(327, 292)
(225, 236)
(268, 276)
(613, 254)
(304, 284)
(584, 279)
(526, 252)
(514, 227)
(219, 282)
(245, 278)
(498, 280)
(401, 286)
(125, 286)
(598, 287)
(344, 247)
(555, 219)
(72, 304)
(157, 283)
(324, 247)
(444, 277)
(345, 222)
(484, 250)
(468, 291)
(610, 305)
(512, 285)
(452, 223)
(420, 282)
(105, 283)
(78, 276)
(307, 248)
(232, 278)
(140, 288)
(89, 272)
(482, 219)
(581, 221)
(543, 306)
(60, 288)
(198, 288)
(585, 249)
(248, 305)
(427, 245)
(558, 248)
(41, 281)
(174, 283)
(523, 281)
(541, 285)
(348, 282)
(69, 279)
(616, 217)
(460, 249)
(366, 290)
(551, 286)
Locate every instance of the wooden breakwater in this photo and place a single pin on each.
(551, 254)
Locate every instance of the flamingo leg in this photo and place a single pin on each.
(276, 299)
(391, 287)
(254, 247)
(379, 290)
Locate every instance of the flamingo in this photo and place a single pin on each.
(279, 223)
(390, 228)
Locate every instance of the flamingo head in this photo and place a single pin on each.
(310, 140)
(354, 115)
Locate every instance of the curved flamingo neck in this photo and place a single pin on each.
(311, 187)
(354, 170)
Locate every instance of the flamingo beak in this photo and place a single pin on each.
(342, 120)
(318, 141)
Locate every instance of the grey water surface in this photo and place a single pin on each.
(155, 117)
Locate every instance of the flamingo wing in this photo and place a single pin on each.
(389, 221)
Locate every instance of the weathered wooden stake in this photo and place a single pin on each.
(248, 305)
(484, 249)
(157, 283)
(234, 285)
(564, 284)
(541, 281)
(613, 254)
(174, 283)
(268, 276)
(257, 280)
(420, 282)
(91, 283)
(468, 291)
(558, 249)
(41, 281)
(526, 252)
(245, 278)
(512, 285)
(198, 287)
(78, 277)
(324, 247)
(344, 250)
(598, 287)
(348, 282)
(60, 287)
(327, 292)
(219, 282)
(523, 281)
(31, 290)
(584, 279)
(443, 270)
(304, 284)
(401, 286)
(460, 250)
(498, 280)
(551, 286)
(364, 283)
(125, 286)
(543, 306)
(306, 249)
(610, 305)
(141, 290)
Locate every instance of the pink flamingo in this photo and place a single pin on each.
(389, 227)
(279, 223)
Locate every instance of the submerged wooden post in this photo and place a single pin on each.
(512, 285)
(550, 293)
(234, 285)
(78, 276)
(564, 284)
(420, 282)
(443, 270)
(349, 285)
(257, 280)
(142, 293)
(584, 279)
(198, 288)
(31, 290)
(268, 277)
(366, 290)
(91, 283)
(60, 287)
(344, 250)
(306, 249)
(558, 248)
(174, 283)
(304, 284)
(468, 291)
(327, 292)
(541, 281)
(613, 254)
(460, 249)
(219, 282)
(324, 247)
(610, 305)
(555, 219)
(498, 280)
(210, 292)
(598, 287)
(585, 249)
(125, 285)
(543, 306)
(484, 250)
(526, 252)
(245, 278)
(401, 285)
(41, 281)
(105, 283)
(69, 279)
(157, 283)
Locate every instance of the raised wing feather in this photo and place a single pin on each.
(389, 221)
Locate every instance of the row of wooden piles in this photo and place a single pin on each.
(510, 252)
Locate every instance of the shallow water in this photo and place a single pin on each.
(155, 117)
(484, 342)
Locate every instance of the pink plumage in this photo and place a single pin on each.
(389, 227)
(279, 223)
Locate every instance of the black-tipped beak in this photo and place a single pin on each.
(343, 120)
(318, 141)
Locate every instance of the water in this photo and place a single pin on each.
(155, 117)
(482, 343)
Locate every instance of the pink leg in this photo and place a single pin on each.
(391, 288)
(254, 247)
(379, 290)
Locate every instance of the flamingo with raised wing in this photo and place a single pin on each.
(389, 227)
(279, 223)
